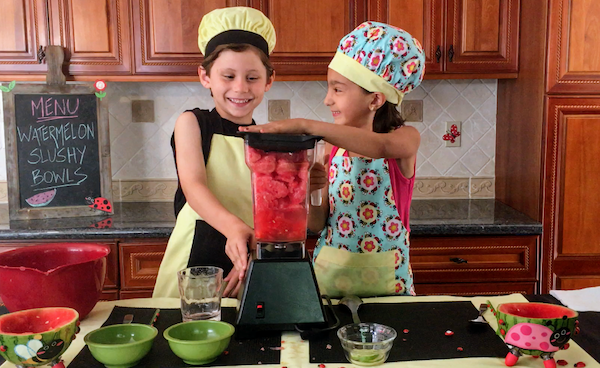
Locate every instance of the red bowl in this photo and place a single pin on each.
(53, 275)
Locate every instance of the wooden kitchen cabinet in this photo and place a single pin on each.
(573, 39)
(165, 34)
(475, 37)
(548, 139)
(139, 261)
(23, 32)
(95, 35)
(494, 264)
(308, 33)
(572, 184)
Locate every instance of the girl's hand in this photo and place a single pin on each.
(292, 126)
(234, 283)
(239, 239)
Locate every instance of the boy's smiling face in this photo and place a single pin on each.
(238, 82)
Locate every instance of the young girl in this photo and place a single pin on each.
(363, 247)
(213, 203)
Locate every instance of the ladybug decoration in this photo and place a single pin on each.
(104, 224)
(99, 203)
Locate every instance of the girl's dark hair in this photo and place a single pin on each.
(387, 118)
(237, 47)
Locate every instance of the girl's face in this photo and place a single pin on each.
(349, 103)
(238, 82)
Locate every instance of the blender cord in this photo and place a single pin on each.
(313, 332)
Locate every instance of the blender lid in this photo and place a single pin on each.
(280, 142)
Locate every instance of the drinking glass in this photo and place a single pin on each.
(200, 292)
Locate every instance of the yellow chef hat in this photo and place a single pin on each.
(236, 25)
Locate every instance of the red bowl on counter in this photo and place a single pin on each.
(53, 275)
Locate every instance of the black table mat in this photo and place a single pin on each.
(252, 351)
(589, 324)
(421, 331)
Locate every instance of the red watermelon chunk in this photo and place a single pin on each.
(253, 155)
(280, 181)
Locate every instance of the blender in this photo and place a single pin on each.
(280, 292)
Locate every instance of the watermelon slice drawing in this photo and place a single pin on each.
(41, 199)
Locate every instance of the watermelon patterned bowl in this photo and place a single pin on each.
(536, 329)
(37, 337)
(53, 275)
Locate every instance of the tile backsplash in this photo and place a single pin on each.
(141, 152)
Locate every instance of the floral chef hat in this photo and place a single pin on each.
(235, 25)
(381, 58)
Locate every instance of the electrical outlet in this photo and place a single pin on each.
(279, 110)
(412, 110)
(142, 111)
(453, 133)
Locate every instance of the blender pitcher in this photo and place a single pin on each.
(280, 165)
(281, 291)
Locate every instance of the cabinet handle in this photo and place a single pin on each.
(451, 53)
(438, 54)
(458, 260)
(41, 54)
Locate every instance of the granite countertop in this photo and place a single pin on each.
(156, 220)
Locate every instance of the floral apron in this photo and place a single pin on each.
(363, 249)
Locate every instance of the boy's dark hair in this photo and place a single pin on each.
(387, 117)
(237, 47)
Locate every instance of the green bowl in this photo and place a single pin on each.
(199, 342)
(121, 346)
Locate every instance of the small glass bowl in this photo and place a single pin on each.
(366, 344)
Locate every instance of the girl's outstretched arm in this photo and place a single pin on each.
(402, 143)
(191, 171)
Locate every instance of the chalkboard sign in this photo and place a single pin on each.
(58, 151)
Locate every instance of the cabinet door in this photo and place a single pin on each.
(572, 187)
(165, 34)
(482, 36)
(308, 32)
(95, 35)
(139, 261)
(473, 259)
(573, 52)
(423, 19)
(22, 32)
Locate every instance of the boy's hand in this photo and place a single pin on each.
(239, 240)
(234, 283)
(318, 177)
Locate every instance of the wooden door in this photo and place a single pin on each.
(23, 31)
(482, 36)
(308, 32)
(95, 35)
(423, 19)
(573, 47)
(572, 187)
(165, 34)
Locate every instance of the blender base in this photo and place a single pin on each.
(279, 295)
